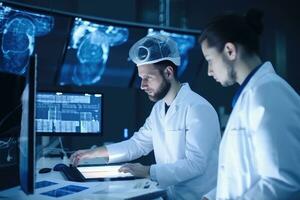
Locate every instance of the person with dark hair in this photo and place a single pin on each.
(259, 152)
(182, 129)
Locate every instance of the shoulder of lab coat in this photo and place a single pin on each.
(273, 119)
(202, 140)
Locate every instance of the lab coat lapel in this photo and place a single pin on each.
(177, 101)
(172, 111)
(162, 109)
(264, 69)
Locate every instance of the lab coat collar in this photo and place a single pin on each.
(265, 69)
(242, 86)
(179, 99)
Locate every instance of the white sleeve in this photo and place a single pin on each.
(275, 133)
(138, 145)
(202, 138)
(153, 173)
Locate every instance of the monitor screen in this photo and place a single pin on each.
(24, 30)
(76, 50)
(61, 113)
(97, 53)
(91, 56)
(27, 134)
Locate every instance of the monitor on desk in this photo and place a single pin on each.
(63, 113)
(27, 134)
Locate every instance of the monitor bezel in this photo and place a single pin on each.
(100, 133)
(29, 180)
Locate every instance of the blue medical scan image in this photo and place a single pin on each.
(184, 42)
(18, 33)
(88, 51)
(63, 191)
(41, 184)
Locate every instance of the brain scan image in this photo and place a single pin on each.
(19, 30)
(92, 54)
(88, 51)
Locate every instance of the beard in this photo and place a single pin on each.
(231, 73)
(161, 92)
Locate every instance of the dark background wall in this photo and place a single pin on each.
(129, 107)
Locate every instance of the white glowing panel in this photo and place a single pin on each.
(111, 171)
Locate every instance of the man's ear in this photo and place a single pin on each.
(169, 72)
(230, 51)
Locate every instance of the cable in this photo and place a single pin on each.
(62, 147)
(4, 145)
(7, 144)
(9, 114)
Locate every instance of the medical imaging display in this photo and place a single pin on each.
(97, 54)
(77, 52)
(68, 113)
(19, 31)
(63, 191)
(88, 51)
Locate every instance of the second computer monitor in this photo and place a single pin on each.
(60, 113)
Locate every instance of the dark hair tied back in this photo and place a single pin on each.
(254, 19)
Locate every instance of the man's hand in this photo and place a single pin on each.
(136, 169)
(80, 155)
(88, 153)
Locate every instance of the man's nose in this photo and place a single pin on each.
(209, 71)
(143, 84)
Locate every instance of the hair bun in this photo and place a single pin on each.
(254, 20)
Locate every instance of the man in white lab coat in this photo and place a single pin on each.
(259, 155)
(182, 129)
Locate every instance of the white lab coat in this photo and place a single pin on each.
(259, 155)
(185, 141)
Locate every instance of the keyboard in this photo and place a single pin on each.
(72, 174)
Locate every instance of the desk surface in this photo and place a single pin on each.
(58, 185)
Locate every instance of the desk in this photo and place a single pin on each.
(112, 190)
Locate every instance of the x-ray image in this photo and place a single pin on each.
(19, 30)
(88, 51)
(184, 42)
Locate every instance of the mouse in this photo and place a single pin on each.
(59, 167)
(44, 170)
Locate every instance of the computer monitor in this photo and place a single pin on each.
(65, 113)
(90, 57)
(85, 51)
(24, 31)
(97, 52)
(27, 134)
